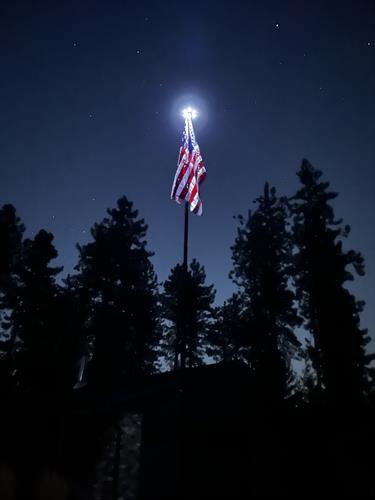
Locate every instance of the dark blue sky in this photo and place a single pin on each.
(90, 94)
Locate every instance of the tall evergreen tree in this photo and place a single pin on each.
(42, 320)
(262, 260)
(117, 285)
(11, 235)
(187, 313)
(331, 312)
(227, 335)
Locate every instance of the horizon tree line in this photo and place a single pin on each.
(288, 264)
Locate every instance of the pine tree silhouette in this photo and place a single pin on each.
(118, 289)
(187, 309)
(331, 312)
(227, 335)
(262, 266)
(11, 234)
(42, 321)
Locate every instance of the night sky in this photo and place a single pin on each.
(90, 96)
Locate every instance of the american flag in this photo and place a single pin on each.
(190, 170)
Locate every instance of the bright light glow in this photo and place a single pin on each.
(193, 113)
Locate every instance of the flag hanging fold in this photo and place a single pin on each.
(190, 170)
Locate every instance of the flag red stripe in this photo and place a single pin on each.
(190, 171)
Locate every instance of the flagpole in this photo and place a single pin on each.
(186, 236)
(183, 333)
(185, 270)
(190, 172)
(186, 152)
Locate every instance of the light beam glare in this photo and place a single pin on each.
(189, 111)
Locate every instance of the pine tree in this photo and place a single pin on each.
(118, 289)
(187, 313)
(42, 321)
(11, 234)
(330, 311)
(262, 266)
(227, 335)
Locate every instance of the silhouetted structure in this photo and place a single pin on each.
(212, 437)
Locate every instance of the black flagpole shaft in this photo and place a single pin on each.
(185, 268)
(186, 236)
